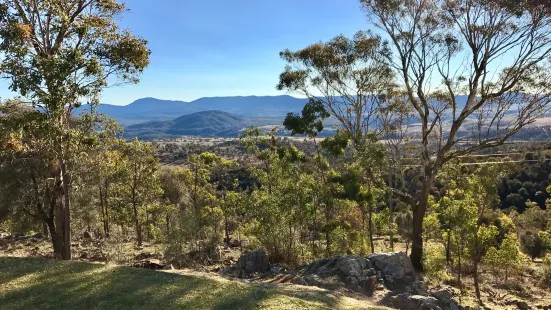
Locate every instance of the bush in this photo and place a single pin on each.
(434, 264)
(533, 245)
(545, 275)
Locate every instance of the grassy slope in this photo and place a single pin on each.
(29, 283)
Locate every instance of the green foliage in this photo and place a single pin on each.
(545, 273)
(434, 263)
(533, 244)
(507, 258)
(310, 123)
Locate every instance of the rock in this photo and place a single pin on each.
(352, 266)
(299, 281)
(445, 299)
(21, 238)
(5, 235)
(419, 287)
(522, 305)
(313, 280)
(414, 302)
(149, 264)
(253, 262)
(87, 235)
(38, 236)
(395, 268)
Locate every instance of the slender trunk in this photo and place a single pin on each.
(476, 284)
(371, 229)
(45, 230)
(227, 229)
(391, 209)
(459, 270)
(138, 226)
(328, 241)
(290, 244)
(57, 240)
(418, 215)
(448, 248)
(167, 224)
(66, 210)
(314, 235)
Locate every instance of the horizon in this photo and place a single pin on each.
(218, 49)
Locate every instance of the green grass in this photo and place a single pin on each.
(29, 283)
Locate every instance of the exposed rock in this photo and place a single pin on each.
(87, 235)
(414, 302)
(5, 235)
(396, 269)
(445, 299)
(353, 272)
(38, 236)
(146, 255)
(149, 264)
(522, 305)
(250, 263)
(419, 287)
(21, 238)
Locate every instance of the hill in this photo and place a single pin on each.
(152, 109)
(206, 124)
(30, 283)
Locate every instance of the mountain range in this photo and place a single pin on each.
(205, 124)
(151, 109)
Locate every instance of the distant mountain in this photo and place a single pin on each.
(151, 109)
(206, 124)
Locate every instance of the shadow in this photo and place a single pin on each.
(31, 283)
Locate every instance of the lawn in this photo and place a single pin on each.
(31, 283)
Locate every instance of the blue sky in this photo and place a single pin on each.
(205, 48)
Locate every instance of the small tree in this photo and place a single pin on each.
(507, 258)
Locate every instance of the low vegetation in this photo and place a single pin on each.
(415, 164)
(45, 284)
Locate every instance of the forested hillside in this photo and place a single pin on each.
(417, 200)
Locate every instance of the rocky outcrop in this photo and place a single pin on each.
(353, 272)
(434, 300)
(249, 264)
(363, 274)
(396, 269)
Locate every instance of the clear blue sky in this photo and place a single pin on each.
(204, 48)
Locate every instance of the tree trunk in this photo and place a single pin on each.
(418, 215)
(448, 248)
(328, 241)
(138, 226)
(371, 229)
(66, 210)
(417, 238)
(45, 230)
(476, 284)
(57, 240)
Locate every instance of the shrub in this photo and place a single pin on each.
(545, 274)
(434, 264)
(533, 245)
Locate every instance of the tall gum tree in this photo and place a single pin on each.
(57, 54)
(465, 63)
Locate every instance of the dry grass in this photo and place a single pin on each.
(31, 283)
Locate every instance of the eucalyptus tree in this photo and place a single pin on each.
(465, 64)
(58, 54)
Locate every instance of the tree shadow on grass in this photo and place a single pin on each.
(29, 283)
